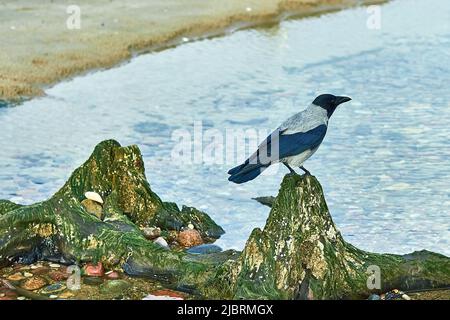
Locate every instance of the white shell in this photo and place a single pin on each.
(94, 196)
(406, 297)
(162, 242)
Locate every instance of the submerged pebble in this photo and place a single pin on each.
(33, 283)
(92, 281)
(114, 286)
(113, 275)
(54, 288)
(93, 270)
(16, 277)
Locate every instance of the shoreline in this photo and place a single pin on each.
(40, 51)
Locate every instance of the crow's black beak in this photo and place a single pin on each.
(340, 100)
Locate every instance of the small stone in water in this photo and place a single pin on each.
(164, 295)
(54, 288)
(94, 270)
(114, 286)
(66, 295)
(58, 275)
(52, 296)
(21, 298)
(92, 281)
(27, 274)
(189, 238)
(34, 283)
(40, 270)
(374, 297)
(54, 265)
(94, 196)
(15, 277)
(112, 275)
(161, 242)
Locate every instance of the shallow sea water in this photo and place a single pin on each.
(384, 164)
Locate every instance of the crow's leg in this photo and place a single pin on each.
(306, 171)
(290, 169)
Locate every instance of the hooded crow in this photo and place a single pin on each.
(293, 142)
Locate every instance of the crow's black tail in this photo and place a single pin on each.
(245, 172)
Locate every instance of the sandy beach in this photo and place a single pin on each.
(38, 48)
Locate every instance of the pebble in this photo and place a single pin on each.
(16, 277)
(40, 271)
(93, 270)
(66, 295)
(58, 276)
(92, 207)
(54, 288)
(27, 274)
(151, 232)
(189, 238)
(34, 283)
(113, 275)
(374, 297)
(94, 196)
(406, 297)
(114, 286)
(162, 242)
(205, 249)
(52, 296)
(7, 294)
(54, 265)
(164, 294)
(394, 294)
(21, 298)
(92, 281)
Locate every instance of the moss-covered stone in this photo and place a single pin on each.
(60, 228)
(301, 255)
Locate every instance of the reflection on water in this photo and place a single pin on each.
(384, 163)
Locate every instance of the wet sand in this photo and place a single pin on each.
(38, 49)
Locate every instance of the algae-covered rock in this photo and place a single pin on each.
(301, 255)
(60, 229)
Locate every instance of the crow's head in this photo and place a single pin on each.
(330, 102)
